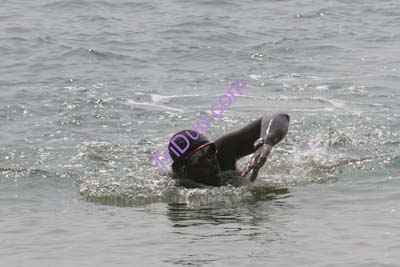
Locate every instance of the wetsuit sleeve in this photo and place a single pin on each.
(237, 144)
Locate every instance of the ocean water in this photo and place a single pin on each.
(91, 89)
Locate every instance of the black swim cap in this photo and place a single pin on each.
(181, 139)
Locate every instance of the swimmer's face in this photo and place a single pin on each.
(202, 164)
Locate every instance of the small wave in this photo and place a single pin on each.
(226, 37)
(17, 29)
(161, 98)
(106, 4)
(45, 39)
(387, 38)
(17, 38)
(218, 3)
(151, 106)
(6, 17)
(336, 103)
(62, 5)
(366, 91)
(255, 76)
(100, 55)
(132, 4)
(22, 172)
(105, 55)
(313, 14)
(323, 87)
(118, 194)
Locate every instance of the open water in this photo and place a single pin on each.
(91, 89)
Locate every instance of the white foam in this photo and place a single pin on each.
(151, 106)
(159, 98)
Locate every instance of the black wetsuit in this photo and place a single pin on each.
(240, 143)
(235, 145)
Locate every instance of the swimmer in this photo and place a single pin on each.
(203, 162)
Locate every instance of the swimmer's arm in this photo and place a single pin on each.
(273, 130)
(240, 143)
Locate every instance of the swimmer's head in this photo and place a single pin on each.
(198, 161)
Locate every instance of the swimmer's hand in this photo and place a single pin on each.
(257, 161)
